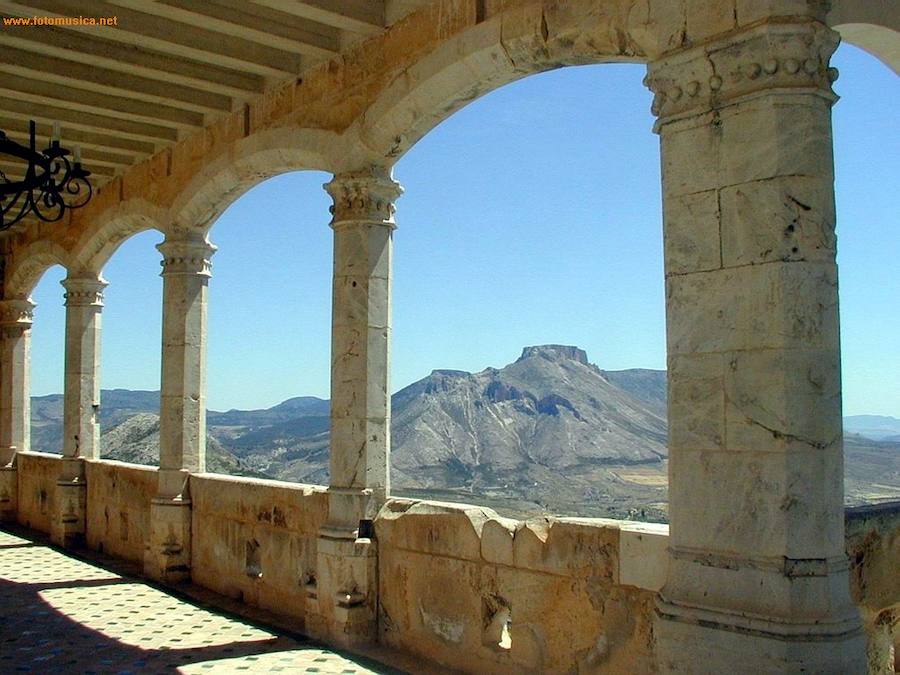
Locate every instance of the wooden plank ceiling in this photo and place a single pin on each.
(166, 69)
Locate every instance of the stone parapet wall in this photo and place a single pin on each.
(873, 546)
(118, 507)
(255, 540)
(37, 475)
(462, 586)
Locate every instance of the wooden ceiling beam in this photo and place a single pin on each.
(277, 29)
(155, 32)
(72, 136)
(13, 170)
(43, 92)
(96, 51)
(88, 121)
(357, 16)
(109, 81)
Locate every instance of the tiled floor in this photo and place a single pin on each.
(62, 615)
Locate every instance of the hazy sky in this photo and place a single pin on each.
(531, 216)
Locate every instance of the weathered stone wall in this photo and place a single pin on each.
(37, 472)
(255, 540)
(118, 507)
(873, 545)
(573, 594)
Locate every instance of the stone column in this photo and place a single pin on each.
(15, 396)
(345, 603)
(81, 405)
(182, 425)
(757, 578)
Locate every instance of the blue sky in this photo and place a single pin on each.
(530, 216)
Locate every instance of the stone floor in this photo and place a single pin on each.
(59, 614)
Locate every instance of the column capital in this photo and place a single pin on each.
(367, 195)
(789, 58)
(186, 256)
(16, 314)
(84, 291)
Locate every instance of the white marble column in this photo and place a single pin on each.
(182, 427)
(15, 396)
(363, 227)
(81, 404)
(758, 577)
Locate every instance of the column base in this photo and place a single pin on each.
(69, 513)
(341, 605)
(167, 557)
(693, 640)
(9, 493)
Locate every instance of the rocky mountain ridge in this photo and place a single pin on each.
(550, 431)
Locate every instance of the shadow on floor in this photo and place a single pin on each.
(117, 624)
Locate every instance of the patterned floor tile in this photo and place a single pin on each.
(62, 615)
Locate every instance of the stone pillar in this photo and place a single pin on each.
(15, 397)
(81, 405)
(758, 579)
(182, 425)
(343, 603)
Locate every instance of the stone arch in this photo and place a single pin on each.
(870, 25)
(254, 159)
(28, 265)
(99, 241)
(520, 40)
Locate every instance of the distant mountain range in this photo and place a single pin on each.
(549, 431)
(875, 427)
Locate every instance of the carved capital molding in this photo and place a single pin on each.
(83, 291)
(363, 196)
(16, 316)
(781, 57)
(186, 256)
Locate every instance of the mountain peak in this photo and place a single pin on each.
(555, 353)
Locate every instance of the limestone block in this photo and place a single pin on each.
(361, 301)
(683, 647)
(346, 590)
(436, 528)
(167, 557)
(873, 545)
(692, 159)
(783, 596)
(568, 546)
(359, 452)
(643, 555)
(696, 400)
(431, 605)
(118, 507)
(654, 27)
(780, 400)
(142, 181)
(706, 18)
(69, 513)
(363, 249)
(780, 219)
(497, 541)
(37, 477)
(524, 33)
(776, 505)
(771, 306)
(292, 507)
(777, 136)
(691, 232)
(9, 494)
(750, 11)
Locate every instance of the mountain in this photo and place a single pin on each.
(548, 432)
(129, 422)
(875, 427)
(550, 409)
